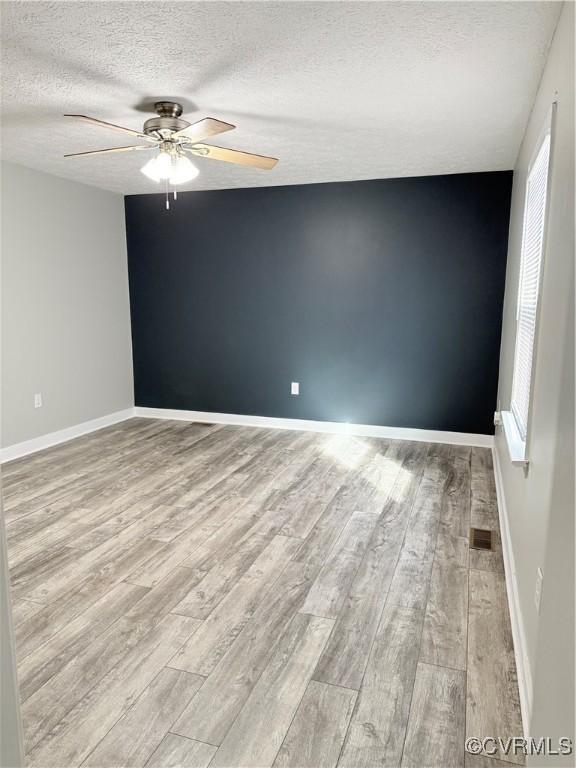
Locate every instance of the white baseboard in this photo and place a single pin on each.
(332, 427)
(62, 435)
(27, 447)
(518, 633)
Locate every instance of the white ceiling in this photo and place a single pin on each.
(336, 90)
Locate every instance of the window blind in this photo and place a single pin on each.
(530, 269)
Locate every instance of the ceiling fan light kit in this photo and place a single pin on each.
(172, 137)
(171, 166)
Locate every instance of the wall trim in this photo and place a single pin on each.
(516, 620)
(36, 444)
(332, 427)
(27, 447)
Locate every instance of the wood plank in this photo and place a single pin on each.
(179, 752)
(63, 533)
(216, 705)
(295, 457)
(264, 469)
(326, 531)
(145, 513)
(315, 738)
(220, 629)
(203, 599)
(176, 553)
(373, 469)
(259, 730)
(236, 545)
(346, 654)
(27, 576)
(329, 591)
(493, 705)
(304, 501)
(73, 639)
(389, 467)
(452, 550)
(134, 738)
(410, 582)
(445, 630)
(436, 726)
(24, 609)
(482, 481)
(88, 481)
(86, 724)
(48, 526)
(45, 708)
(80, 595)
(455, 510)
(85, 564)
(484, 511)
(226, 540)
(378, 727)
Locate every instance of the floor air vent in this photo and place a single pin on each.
(480, 539)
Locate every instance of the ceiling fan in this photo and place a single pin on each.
(172, 139)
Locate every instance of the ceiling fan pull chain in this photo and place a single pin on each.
(167, 197)
(175, 195)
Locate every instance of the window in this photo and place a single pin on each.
(516, 423)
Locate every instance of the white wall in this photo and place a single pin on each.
(540, 505)
(65, 307)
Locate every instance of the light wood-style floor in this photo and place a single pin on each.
(193, 595)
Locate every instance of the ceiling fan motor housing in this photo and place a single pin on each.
(169, 119)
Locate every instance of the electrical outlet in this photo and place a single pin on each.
(538, 590)
(38, 400)
(295, 388)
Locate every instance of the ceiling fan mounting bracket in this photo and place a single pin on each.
(168, 108)
(168, 120)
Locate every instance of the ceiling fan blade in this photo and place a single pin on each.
(109, 151)
(233, 156)
(112, 126)
(203, 129)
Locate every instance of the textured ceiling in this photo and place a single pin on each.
(336, 90)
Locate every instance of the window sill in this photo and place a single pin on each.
(516, 446)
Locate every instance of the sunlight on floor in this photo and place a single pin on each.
(388, 477)
(383, 473)
(401, 484)
(347, 450)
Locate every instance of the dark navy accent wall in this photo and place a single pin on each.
(382, 298)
